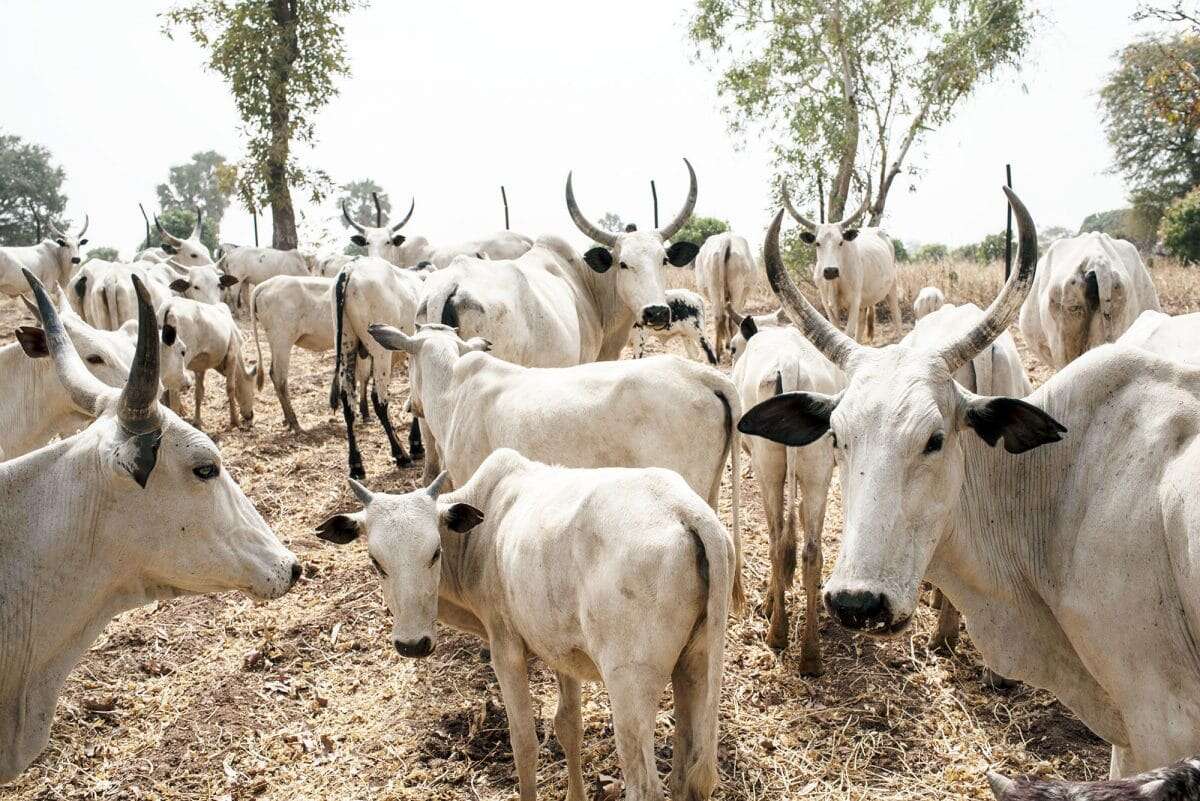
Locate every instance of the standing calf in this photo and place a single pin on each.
(213, 341)
(687, 324)
(929, 300)
(614, 575)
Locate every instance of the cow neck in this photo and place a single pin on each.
(33, 399)
(435, 365)
(60, 583)
(612, 322)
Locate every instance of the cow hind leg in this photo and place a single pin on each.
(508, 661)
(782, 548)
(199, 387)
(945, 637)
(894, 307)
(355, 458)
(280, 362)
(416, 447)
(633, 690)
(381, 411)
(568, 728)
(689, 684)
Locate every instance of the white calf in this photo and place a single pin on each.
(928, 300)
(213, 341)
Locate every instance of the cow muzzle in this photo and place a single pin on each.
(831, 273)
(415, 649)
(864, 610)
(74, 260)
(656, 316)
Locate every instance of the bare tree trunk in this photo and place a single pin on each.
(283, 215)
(839, 190)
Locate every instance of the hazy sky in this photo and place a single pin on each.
(450, 99)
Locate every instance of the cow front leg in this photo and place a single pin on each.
(199, 388)
(894, 307)
(852, 316)
(639, 341)
(381, 411)
(949, 618)
(433, 457)
(415, 446)
(231, 395)
(568, 728)
(508, 661)
(356, 465)
(782, 546)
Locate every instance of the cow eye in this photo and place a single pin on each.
(935, 443)
(205, 472)
(665, 261)
(436, 556)
(624, 266)
(378, 568)
(95, 359)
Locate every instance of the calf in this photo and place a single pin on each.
(613, 575)
(928, 300)
(1178, 782)
(50, 261)
(725, 275)
(135, 508)
(774, 360)
(687, 324)
(213, 341)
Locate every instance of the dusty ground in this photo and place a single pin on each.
(303, 698)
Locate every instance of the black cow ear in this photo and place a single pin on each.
(227, 280)
(599, 259)
(850, 235)
(33, 341)
(462, 517)
(808, 237)
(62, 243)
(82, 242)
(793, 418)
(169, 249)
(681, 254)
(339, 529)
(81, 286)
(398, 240)
(179, 285)
(168, 334)
(1022, 425)
(359, 240)
(748, 327)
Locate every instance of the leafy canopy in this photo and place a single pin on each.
(205, 183)
(30, 184)
(697, 229)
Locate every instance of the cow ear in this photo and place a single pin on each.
(599, 259)
(33, 341)
(461, 517)
(227, 280)
(748, 327)
(359, 240)
(82, 242)
(808, 237)
(80, 286)
(398, 240)
(169, 249)
(1022, 425)
(168, 334)
(793, 418)
(850, 235)
(681, 254)
(137, 454)
(179, 285)
(340, 529)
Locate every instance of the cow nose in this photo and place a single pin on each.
(74, 260)
(414, 650)
(830, 273)
(296, 571)
(860, 609)
(656, 316)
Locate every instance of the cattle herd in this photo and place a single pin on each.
(569, 508)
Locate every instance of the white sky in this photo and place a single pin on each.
(450, 99)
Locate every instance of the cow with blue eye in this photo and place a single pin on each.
(687, 325)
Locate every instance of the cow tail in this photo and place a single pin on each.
(261, 377)
(339, 306)
(729, 397)
(718, 557)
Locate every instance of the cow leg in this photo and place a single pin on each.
(868, 322)
(231, 394)
(280, 363)
(433, 457)
(639, 341)
(381, 411)
(852, 315)
(415, 446)
(199, 374)
(814, 491)
(362, 397)
(689, 685)
(568, 728)
(633, 690)
(508, 661)
(356, 465)
(894, 307)
(946, 635)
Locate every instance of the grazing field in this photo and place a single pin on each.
(304, 698)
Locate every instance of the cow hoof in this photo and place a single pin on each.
(417, 453)
(357, 472)
(403, 461)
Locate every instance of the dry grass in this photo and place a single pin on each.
(303, 698)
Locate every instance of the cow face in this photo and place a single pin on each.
(106, 354)
(381, 243)
(173, 361)
(204, 284)
(434, 349)
(636, 261)
(67, 244)
(406, 536)
(831, 241)
(1085, 307)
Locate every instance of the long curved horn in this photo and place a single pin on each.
(54, 229)
(595, 233)
(147, 220)
(407, 217)
(853, 218)
(86, 391)
(199, 225)
(351, 221)
(166, 235)
(83, 230)
(797, 216)
(137, 409)
(689, 206)
(836, 346)
(363, 494)
(378, 210)
(1000, 313)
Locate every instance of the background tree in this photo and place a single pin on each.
(932, 252)
(180, 222)
(846, 87)
(206, 182)
(1136, 225)
(30, 190)
(1181, 228)
(611, 221)
(357, 198)
(1151, 108)
(103, 252)
(697, 229)
(280, 59)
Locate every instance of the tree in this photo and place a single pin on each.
(102, 252)
(932, 252)
(1180, 229)
(1151, 110)
(1131, 224)
(698, 229)
(853, 83)
(611, 221)
(30, 190)
(205, 183)
(280, 59)
(180, 222)
(358, 197)
(901, 249)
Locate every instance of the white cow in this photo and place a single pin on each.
(188, 252)
(614, 575)
(51, 260)
(773, 360)
(212, 341)
(1176, 337)
(657, 412)
(251, 266)
(371, 290)
(386, 242)
(133, 509)
(996, 370)
(687, 324)
(928, 300)
(549, 308)
(855, 269)
(1071, 562)
(1088, 290)
(725, 276)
